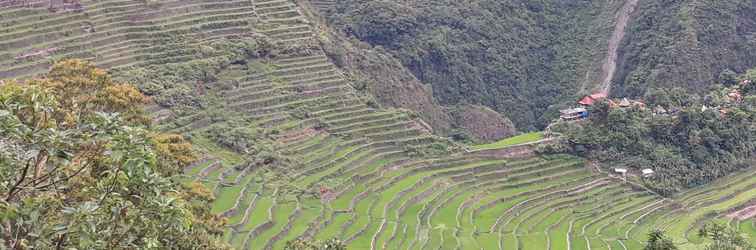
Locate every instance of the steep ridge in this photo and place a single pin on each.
(341, 167)
(524, 59)
(685, 44)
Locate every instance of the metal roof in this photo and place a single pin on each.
(572, 110)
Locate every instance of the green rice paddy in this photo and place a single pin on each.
(364, 176)
(520, 139)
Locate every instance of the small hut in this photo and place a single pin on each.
(660, 110)
(624, 103)
(647, 172)
(621, 171)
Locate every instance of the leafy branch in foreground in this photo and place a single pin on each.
(82, 170)
(658, 240)
(724, 238)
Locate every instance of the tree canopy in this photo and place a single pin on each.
(658, 240)
(695, 140)
(724, 238)
(80, 169)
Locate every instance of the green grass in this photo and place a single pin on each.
(748, 227)
(679, 227)
(281, 214)
(310, 210)
(198, 168)
(206, 145)
(520, 139)
(229, 195)
(434, 217)
(243, 205)
(558, 233)
(259, 214)
(534, 241)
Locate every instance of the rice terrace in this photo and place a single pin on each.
(292, 146)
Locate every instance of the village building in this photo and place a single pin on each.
(647, 172)
(621, 171)
(592, 99)
(659, 110)
(625, 103)
(639, 104)
(573, 114)
(735, 96)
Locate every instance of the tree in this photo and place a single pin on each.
(300, 244)
(728, 77)
(750, 79)
(724, 238)
(83, 172)
(657, 240)
(686, 147)
(174, 152)
(658, 97)
(82, 89)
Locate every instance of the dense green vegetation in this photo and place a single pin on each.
(658, 241)
(521, 57)
(722, 237)
(686, 44)
(80, 170)
(298, 157)
(695, 140)
(520, 139)
(517, 57)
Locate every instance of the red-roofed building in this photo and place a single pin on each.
(591, 99)
(735, 96)
(587, 100)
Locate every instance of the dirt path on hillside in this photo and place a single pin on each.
(745, 213)
(610, 63)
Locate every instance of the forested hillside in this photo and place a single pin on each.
(79, 168)
(688, 44)
(258, 125)
(523, 57)
(517, 57)
(688, 139)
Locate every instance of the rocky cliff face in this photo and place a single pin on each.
(482, 123)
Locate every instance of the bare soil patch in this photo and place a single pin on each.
(745, 213)
(610, 64)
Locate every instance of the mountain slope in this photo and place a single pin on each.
(522, 57)
(686, 44)
(293, 148)
(517, 57)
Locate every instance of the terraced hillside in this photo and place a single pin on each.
(322, 161)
